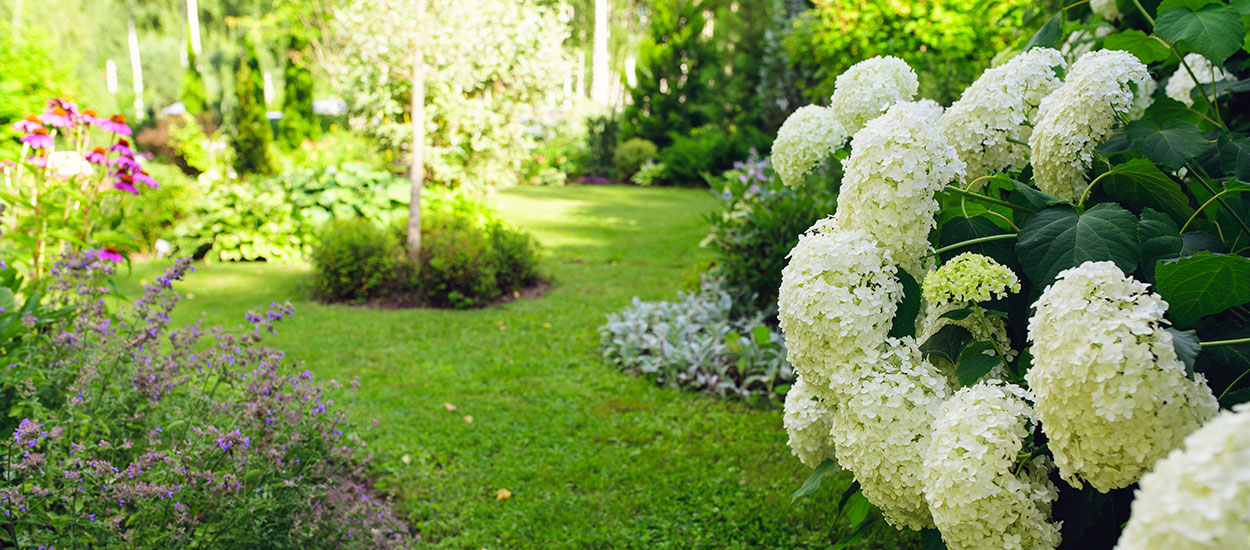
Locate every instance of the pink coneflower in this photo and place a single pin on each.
(110, 254)
(126, 183)
(27, 125)
(38, 138)
(116, 124)
(56, 116)
(143, 177)
(69, 106)
(125, 162)
(88, 116)
(97, 156)
(39, 161)
(122, 146)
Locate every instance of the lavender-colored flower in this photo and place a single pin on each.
(28, 433)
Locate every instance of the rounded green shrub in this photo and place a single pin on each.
(353, 260)
(515, 256)
(457, 266)
(631, 155)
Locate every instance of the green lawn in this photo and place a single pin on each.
(594, 458)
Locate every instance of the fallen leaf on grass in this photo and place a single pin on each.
(468, 418)
(503, 494)
(449, 406)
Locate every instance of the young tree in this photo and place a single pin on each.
(298, 121)
(251, 134)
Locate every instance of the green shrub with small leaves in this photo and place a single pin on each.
(353, 260)
(632, 155)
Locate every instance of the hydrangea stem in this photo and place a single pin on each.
(972, 195)
(977, 240)
(1216, 343)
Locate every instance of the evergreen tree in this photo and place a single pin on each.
(193, 95)
(251, 133)
(298, 121)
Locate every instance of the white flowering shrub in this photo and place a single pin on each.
(1029, 306)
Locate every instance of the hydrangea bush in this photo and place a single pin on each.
(1031, 306)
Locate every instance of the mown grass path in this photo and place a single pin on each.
(594, 458)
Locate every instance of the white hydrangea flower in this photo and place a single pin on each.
(1111, 394)
(807, 421)
(1181, 84)
(978, 500)
(991, 120)
(1143, 98)
(898, 161)
(881, 428)
(837, 298)
(1074, 119)
(1198, 497)
(1106, 8)
(870, 87)
(969, 277)
(807, 138)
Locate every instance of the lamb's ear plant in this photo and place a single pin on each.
(1027, 308)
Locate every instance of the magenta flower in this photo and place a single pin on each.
(88, 116)
(125, 162)
(110, 254)
(56, 116)
(125, 183)
(39, 161)
(67, 105)
(116, 124)
(143, 177)
(28, 124)
(97, 156)
(122, 146)
(39, 139)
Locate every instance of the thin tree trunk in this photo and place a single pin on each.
(17, 22)
(417, 168)
(136, 69)
(193, 26)
(599, 85)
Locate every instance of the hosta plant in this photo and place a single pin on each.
(1018, 324)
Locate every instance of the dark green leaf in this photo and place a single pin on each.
(1034, 197)
(1048, 35)
(946, 344)
(908, 308)
(856, 509)
(1187, 348)
(1159, 239)
(959, 230)
(1235, 397)
(1215, 31)
(1147, 49)
(957, 314)
(1172, 145)
(1058, 238)
(931, 539)
(1235, 159)
(976, 361)
(761, 334)
(1202, 284)
(1221, 87)
(1166, 109)
(1138, 184)
(1199, 241)
(812, 484)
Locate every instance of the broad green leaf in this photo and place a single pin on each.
(1221, 87)
(931, 539)
(761, 334)
(856, 509)
(1199, 241)
(1235, 397)
(946, 344)
(1058, 238)
(976, 361)
(1215, 31)
(1166, 109)
(1187, 347)
(812, 484)
(908, 308)
(957, 314)
(1138, 184)
(1034, 197)
(959, 230)
(1172, 145)
(1159, 239)
(1147, 49)
(1048, 35)
(1235, 159)
(1202, 284)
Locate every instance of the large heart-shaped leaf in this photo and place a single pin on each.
(1146, 48)
(1172, 145)
(1215, 31)
(1139, 184)
(1048, 35)
(1235, 159)
(1202, 284)
(1058, 238)
(1159, 239)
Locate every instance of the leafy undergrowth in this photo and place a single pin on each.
(516, 397)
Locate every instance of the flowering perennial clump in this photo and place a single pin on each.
(870, 87)
(969, 277)
(1181, 83)
(1110, 391)
(804, 141)
(1198, 497)
(808, 424)
(1074, 119)
(990, 123)
(982, 494)
(897, 163)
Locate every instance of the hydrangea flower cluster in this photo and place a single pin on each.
(1110, 391)
(1106, 8)
(1181, 83)
(991, 120)
(978, 500)
(837, 299)
(870, 87)
(807, 423)
(969, 277)
(804, 141)
(1198, 497)
(1074, 119)
(881, 427)
(898, 162)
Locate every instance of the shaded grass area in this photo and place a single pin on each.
(594, 458)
